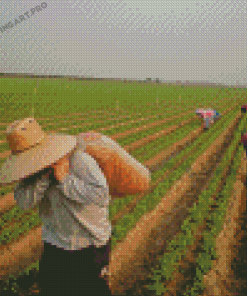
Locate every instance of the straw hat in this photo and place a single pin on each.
(32, 149)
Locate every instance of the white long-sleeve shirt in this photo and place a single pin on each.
(79, 213)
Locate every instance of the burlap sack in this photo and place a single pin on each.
(124, 174)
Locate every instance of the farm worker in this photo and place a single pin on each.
(243, 108)
(206, 115)
(72, 179)
(208, 118)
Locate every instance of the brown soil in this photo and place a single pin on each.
(23, 252)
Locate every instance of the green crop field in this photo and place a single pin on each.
(61, 96)
(131, 108)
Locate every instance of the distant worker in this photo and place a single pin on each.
(208, 116)
(243, 108)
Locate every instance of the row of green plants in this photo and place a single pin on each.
(149, 201)
(24, 222)
(153, 148)
(140, 124)
(87, 95)
(202, 211)
(119, 204)
(216, 221)
(74, 119)
(145, 133)
(60, 122)
(109, 125)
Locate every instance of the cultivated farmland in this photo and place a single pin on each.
(175, 239)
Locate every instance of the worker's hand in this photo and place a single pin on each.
(61, 168)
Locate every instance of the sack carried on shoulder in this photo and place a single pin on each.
(124, 174)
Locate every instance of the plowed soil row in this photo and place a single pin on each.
(222, 279)
(22, 252)
(129, 265)
(180, 281)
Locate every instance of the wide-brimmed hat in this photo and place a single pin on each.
(32, 149)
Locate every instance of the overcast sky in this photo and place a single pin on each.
(171, 40)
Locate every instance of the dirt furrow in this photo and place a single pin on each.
(130, 258)
(144, 127)
(150, 138)
(21, 253)
(221, 280)
(81, 119)
(159, 159)
(180, 280)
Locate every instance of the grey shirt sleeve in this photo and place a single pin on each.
(29, 196)
(85, 182)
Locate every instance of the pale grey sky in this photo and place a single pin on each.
(171, 40)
